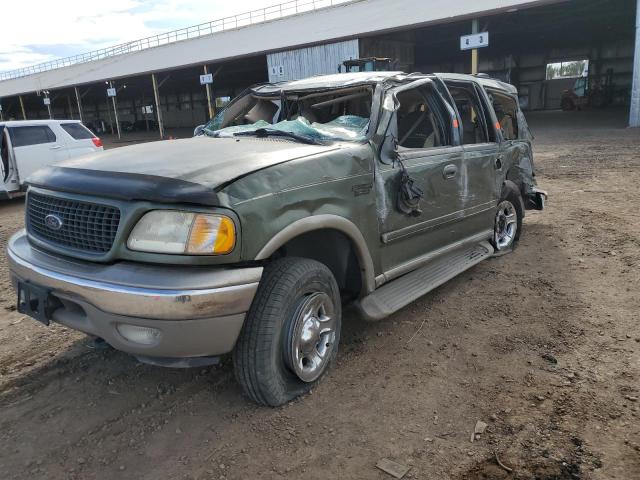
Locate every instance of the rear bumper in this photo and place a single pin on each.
(536, 199)
(197, 311)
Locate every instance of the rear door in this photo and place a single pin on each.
(421, 129)
(482, 157)
(79, 139)
(35, 147)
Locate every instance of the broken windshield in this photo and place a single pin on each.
(332, 115)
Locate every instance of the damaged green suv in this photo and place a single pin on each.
(369, 188)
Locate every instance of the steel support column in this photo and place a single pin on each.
(24, 114)
(69, 106)
(79, 101)
(115, 111)
(475, 28)
(212, 112)
(156, 95)
(634, 114)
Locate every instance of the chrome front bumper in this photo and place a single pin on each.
(199, 311)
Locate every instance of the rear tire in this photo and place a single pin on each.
(291, 334)
(508, 220)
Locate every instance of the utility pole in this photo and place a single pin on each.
(634, 114)
(156, 95)
(115, 111)
(79, 101)
(475, 28)
(24, 114)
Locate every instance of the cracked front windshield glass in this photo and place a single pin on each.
(333, 115)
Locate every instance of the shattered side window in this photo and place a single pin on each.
(474, 127)
(419, 120)
(506, 109)
(523, 127)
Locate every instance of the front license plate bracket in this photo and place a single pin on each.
(36, 302)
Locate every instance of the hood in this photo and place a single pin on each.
(171, 171)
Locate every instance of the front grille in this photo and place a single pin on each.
(87, 227)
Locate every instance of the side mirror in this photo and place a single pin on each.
(198, 130)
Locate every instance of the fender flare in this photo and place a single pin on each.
(509, 185)
(322, 222)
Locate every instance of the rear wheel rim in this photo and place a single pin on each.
(506, 225)
(312, 337)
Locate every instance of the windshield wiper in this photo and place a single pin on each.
(271, 132)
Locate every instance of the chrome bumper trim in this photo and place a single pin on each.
(152, 303)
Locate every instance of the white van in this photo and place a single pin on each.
(28, 145)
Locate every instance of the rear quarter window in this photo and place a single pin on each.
(31, 135)
(77, 131)
(506, 109)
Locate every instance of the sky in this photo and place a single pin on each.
(37, 31)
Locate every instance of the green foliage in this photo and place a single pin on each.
(572, 69)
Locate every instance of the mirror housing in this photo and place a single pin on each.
(198, 130)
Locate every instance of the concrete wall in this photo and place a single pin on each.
(336, 23)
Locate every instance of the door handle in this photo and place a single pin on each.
(498, 163)
(450, 171)
(55, 147)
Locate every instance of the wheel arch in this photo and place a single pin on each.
(510, 185)
(332, 228)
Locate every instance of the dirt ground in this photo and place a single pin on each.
(542, 345)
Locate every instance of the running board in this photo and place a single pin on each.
(399, 293)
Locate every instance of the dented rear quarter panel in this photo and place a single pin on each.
(518, 164)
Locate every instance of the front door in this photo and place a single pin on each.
(425, 155)
(35, 147)
(8, 172)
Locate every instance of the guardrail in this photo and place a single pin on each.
(253, 17)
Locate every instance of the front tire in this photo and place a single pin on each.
(291, 334)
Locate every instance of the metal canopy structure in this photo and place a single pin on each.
(158, 78)
(178, 49)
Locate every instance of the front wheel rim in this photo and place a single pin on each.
(506, 225)
(312, 337)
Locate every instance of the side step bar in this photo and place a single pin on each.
(399, 293)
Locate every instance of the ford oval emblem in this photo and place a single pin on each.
(53, 222)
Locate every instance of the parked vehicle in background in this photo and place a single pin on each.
(369, 64)
(594, 92)
(370, 188)
(28, 145)
(144, 125)
(126, 126)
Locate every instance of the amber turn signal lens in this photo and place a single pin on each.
(211, 234)
(226, 239)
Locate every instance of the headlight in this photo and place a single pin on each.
(170, 231)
